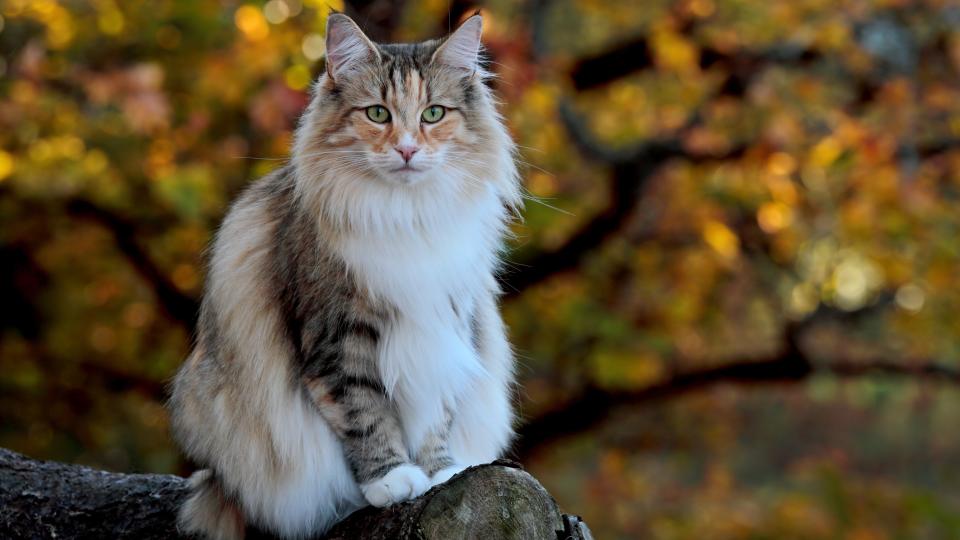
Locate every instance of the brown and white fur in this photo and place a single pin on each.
(350, 350)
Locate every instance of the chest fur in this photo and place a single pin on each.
(427, 357)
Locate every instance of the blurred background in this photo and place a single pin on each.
(733, 295)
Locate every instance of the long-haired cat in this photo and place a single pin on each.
(349, 350)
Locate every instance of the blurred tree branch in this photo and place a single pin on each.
(378, 18)
(931, 148)
(630, 172)
(116, 380)
(179, 306)
(456, 10)
(791, 364)
(593, 405)
(635, 55)
(741, 66)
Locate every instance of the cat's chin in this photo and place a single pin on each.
(405, 176)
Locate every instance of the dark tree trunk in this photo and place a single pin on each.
(41, 499)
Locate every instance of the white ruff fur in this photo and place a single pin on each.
(427, 360)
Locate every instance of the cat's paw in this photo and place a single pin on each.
(401, 483)
(445, 474)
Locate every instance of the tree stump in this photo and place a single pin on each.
(42, 499)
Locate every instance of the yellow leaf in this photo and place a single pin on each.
(774, 216)
(825, 152)
(297, 76)
(251, 23)
(721, 239)
(6, 165)
(675, 52)
(781, 163)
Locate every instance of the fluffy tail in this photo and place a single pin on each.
(208, 512)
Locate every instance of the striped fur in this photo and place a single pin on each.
(350, 350)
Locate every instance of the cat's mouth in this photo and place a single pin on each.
(406, 168)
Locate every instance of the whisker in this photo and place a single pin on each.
(260, 158)
(531, 197)
(530, 148)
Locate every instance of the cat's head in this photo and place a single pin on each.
(405, 116)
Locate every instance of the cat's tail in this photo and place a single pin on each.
(208, 512)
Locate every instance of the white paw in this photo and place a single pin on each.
(445, 474)
(401, 483)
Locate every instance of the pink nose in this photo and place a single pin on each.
(406, 151)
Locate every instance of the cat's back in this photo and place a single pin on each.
(235, 280)
(239, 351)
(244, 240)
(258, 208)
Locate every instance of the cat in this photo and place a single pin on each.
(349, 349)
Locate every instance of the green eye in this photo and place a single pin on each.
(378, 113)
(433, 114)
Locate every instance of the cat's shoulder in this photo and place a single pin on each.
(257, 210)
(275, 186)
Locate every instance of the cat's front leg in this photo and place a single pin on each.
(361, 415)
(445, 474)
(345, 386)
(434, 456)
(403, 482)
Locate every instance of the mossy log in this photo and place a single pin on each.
(42, 499)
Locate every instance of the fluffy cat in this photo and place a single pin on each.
(349, 350)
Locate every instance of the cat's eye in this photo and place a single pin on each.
(378, 113)
(433, 114)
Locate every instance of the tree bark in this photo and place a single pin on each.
(42, 499)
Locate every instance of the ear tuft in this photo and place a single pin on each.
(347, 46)
(462, 49)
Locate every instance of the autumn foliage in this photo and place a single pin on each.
(733, 293)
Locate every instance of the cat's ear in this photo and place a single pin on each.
(462, 49)
(347, 46)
